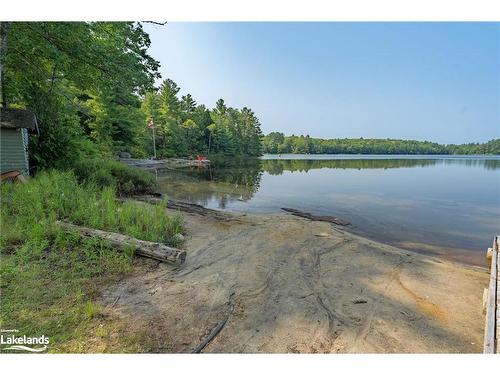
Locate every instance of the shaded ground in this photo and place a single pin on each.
(292, 285)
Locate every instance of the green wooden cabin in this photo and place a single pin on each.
(15, 124)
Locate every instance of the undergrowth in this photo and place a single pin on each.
(50, 280)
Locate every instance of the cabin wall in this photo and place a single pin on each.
(13, 150)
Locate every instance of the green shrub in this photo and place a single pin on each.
(106, 172)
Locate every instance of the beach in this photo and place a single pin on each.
(277, 283)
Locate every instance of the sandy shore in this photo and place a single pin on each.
(286, 284)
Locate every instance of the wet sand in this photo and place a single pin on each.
(286, 284)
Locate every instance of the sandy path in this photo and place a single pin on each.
(292, 285)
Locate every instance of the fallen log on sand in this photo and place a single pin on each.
(143, 248)
(307, 215)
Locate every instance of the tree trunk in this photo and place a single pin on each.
(143, 248)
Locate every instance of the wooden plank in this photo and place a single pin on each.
(490, 325)
(485, 300)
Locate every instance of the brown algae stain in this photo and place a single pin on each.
(425, 305)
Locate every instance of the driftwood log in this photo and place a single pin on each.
(307, 215)
(191, 208)
(143, 248)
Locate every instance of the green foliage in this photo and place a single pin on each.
(49, 278)
(277, 143)
(112, 173)
(83, 81)
(90, 85)
(489, 148)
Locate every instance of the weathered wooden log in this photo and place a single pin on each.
(143, 248)
(191, 208)
(307, 215)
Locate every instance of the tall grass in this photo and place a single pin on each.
(49, 279)
(30, 210)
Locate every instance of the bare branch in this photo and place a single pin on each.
(155, 23)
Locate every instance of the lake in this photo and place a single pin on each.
(445, 205)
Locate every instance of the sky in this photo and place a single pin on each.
(423, 81)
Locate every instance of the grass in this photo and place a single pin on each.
(112, 173)
(50, 281)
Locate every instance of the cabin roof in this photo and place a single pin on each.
(13, 118)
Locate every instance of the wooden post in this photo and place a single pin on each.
(491, 304)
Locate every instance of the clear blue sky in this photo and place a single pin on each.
(433, 81)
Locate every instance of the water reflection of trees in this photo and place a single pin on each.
(277, 166)
(233, 179)
(489, 164)
(240, 172)
(225, 180)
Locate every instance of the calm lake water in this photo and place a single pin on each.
(446, 205)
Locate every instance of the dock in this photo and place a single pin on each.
(491, 299)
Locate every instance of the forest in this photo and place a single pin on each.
(92, 87)
(186, 128)
(278, 143)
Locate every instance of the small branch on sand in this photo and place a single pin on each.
(307, 215)
(143, 248)
(215, 331)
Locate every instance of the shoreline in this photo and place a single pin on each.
(460, 255)
(286, 284)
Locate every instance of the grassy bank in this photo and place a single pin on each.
(51, 280)
(112, 173)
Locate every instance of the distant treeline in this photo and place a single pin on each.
(278, 143)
